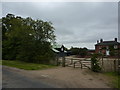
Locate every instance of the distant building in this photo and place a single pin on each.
(107, 48)
(59, 49)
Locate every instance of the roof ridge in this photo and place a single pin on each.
(108, 43)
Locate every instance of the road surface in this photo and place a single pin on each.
(12, 79)
(59, 77)
(0, 77)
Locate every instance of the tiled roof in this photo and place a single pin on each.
(108, 43)
(56, 46)
(55, 50)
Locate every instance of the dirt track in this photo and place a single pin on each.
(68, 77)
(74, 78)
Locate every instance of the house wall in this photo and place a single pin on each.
(98, 49)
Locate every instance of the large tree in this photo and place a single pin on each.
(27, 39)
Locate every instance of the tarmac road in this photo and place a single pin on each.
(12, 79)
(0, 77)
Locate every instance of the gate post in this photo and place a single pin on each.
(63, 61)
(63, 55)
(114, 65)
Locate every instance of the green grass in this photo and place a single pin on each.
(115, 83)
(26, 66)
(0, 62)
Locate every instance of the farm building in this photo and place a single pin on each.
(58, 50)
(107, 48)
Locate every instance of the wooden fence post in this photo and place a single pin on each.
(63, 60)
(74, 65)
(57, 60)
(102, 66)
(81, 65)
(71, 61)
(63, 55)
(114, 65)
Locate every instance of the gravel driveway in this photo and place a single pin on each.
(67, 77)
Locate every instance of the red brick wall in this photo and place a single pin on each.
(97, 50)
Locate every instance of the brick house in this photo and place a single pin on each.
(107, 48)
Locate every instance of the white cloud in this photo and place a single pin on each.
(76, 23)
(60, 0)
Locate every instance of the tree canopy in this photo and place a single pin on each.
(27, 39)
(79, 51)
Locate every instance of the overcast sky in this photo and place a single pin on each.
(78, 24)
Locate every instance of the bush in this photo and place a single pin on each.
(95, 63)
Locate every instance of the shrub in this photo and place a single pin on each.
(95, 63)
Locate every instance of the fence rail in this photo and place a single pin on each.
(107, 64)
(76, 62)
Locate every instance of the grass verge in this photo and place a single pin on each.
(0, 62)
(26, 66)
(115, 83)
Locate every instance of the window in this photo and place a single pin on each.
(99, 51)
(107, 47)
(115, 47)
(99, 47)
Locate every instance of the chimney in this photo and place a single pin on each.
(116, 39)
(97, 41)
(101, 40)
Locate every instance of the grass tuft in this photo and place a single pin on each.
(0, 62)
(26, 66)
(115, 79)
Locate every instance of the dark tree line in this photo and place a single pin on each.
(79, 51)
(26, 39)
